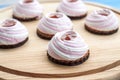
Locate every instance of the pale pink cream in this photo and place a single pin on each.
(12, 32)
(67, 45)
(28, 9)
(55, 22)
(72, 8)
(103, 20)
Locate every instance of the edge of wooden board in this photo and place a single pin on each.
(89, 3)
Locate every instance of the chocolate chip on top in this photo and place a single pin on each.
(72, 0)
(28, 1)
(56, 15)
(69, 36)
(8, 23)
(104, 12)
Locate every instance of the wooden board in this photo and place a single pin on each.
(29, 62)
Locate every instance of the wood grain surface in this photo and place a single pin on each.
(29, 62)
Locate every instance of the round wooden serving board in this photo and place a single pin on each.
(30, 61)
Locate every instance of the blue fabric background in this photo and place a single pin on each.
(113, 3)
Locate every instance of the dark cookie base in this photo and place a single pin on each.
(70, 63)
(13, 46)
(43, 35)
(25, 19)
(100, 32)
(77, 17)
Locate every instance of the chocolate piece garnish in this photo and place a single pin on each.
(8, 23)
(56, 15)
(28, 1)
(69, 36)
(72, 0)
(104, 12)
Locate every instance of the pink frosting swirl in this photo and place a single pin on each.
(12, 32)
(67, 45)
(28, 9)
(54, 22)
(72, 8)
(103, 20)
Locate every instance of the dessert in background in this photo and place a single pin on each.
(26, 10)
(12, 34)
(52, 23)
(103, 21)
(75, 9)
